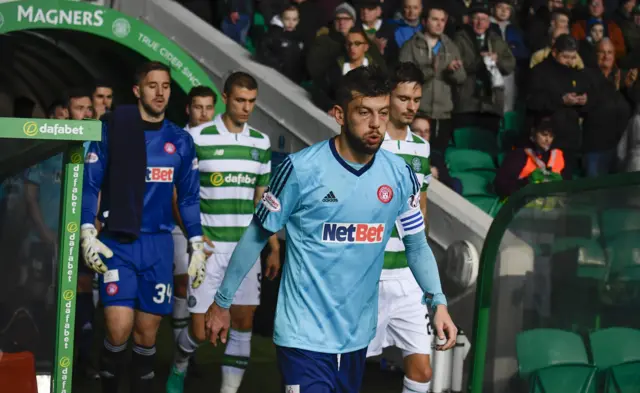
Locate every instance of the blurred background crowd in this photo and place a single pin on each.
(516, 91)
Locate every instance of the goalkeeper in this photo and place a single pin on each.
(536, 162)
(134, 169)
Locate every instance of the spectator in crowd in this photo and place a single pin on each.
(409, 24)
(102, 99)
(329, 43)
(201, 106)
(562, 92)
(486, 58)
(421, 126)
(579, 29)
(380, 32)
(79, 104)
(546, 18)
(608, 115)
(543, 53)
(538, 161)
(624, 18)
(356, 46)
(509, 32)
(439, 59)
(58, 110)
(587, 47)
(283, 47)
(308, 15)
(236, 23)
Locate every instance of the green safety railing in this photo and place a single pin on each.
(74, 132)
(489, 255)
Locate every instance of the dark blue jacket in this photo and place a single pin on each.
(515, 39)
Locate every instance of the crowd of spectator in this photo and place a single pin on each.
(568, 66)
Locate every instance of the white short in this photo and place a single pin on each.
(248, 294)
(402, 319)
(180, 253)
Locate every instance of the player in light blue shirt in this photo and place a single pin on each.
(339, 201)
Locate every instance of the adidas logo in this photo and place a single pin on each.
(330, 197)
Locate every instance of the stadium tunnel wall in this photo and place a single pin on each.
(51, 45)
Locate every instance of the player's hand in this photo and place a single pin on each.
(197, 261)
(217, 321)
(445, 328)
(208, 246)
(91, 248)
(273, 264)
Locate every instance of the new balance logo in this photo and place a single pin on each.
(330, 197)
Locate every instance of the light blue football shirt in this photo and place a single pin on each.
(338, 220)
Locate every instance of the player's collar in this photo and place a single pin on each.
(222, 129)
(408, 138)
(341, 161)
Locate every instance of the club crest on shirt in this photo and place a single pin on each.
(385, 193)
(91, 158)
(270, 201)
(416, 164)
(255, 155)
(170, 148)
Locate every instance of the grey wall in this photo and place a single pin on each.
(283, 108)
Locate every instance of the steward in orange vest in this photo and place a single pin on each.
(535, 163)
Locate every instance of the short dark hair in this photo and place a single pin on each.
(358, 30)
(435, 6)
(422, 115)
(76, 92)
(407, 72)
(369, 81)
(101, 83)
(290, 7)
(565, 43)
(202, 91)
(145, 68)
(59, 103)
(560, 11)
(240, 79)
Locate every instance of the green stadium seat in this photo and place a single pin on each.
(616, 353)
(475, 138)
(623, 253)
(513, 121)
(615, 221)
(476, 183)
(462, 160)
(487, 203)
(554, 361)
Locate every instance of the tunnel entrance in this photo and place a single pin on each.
(50, 46)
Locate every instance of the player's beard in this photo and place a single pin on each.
(359, 144)
(149, 109)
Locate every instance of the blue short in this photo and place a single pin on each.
(315, 372)
(140, 273)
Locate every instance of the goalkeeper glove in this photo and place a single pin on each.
(197, 261)
(91, 247)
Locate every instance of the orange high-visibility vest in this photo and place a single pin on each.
(555, 163)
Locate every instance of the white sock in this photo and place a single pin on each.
(235, 360)
(410, 386)
(186, 347)
(179, 317)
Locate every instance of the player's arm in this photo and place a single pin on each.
(426, 171)
(272, 213)
(94, 171)
(273, 259)
(176, 211)
(95, 166)
(188, 192)
(421, 260)
(32, 192)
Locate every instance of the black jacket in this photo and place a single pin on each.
(549, 82)
(283, 51)
(607, 119)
